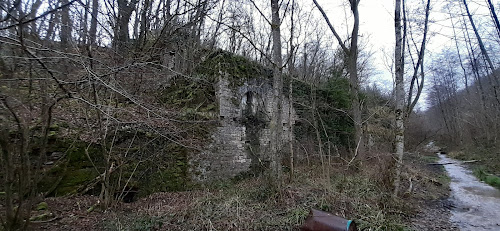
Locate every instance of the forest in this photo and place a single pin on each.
(244, 114)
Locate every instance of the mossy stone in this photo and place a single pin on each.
(42, 206)
(74, 179)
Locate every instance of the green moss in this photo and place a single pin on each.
(54, 127)
(75, 171)
(134, 223)
(332, 100)
(493, 181)
(65, 125)
(42, 206)
(52, 134)
(444, 179)
(74, 179)
(42, 217)
(238, 68)
(77, 156)
(170, 176)
(486, 177)
(194, 98)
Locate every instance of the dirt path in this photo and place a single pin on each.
(476, 205)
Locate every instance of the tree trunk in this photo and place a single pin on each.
(218, 24)
(290, 89)
(466, 78)
(125, 10)
(315, 124)
(93, 22)
(144, 23)
(66, 25)
(354, 80)
(54, 20)
(276, 125)
(8, 178)
(34, 9)
(83, 24)
(420, 65)
(494, 16)
(483, 51)
(400, 97)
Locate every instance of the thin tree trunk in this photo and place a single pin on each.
(494, 16)
(34, 9)
(8, 177)
(93, 22)
(54, 20)
(66, 25)
(459, 55)
(354, 80)
(125, 10)
(400, 97)
(483, 49)
(83, 23)
(290, 89)
(316, 126)
(218, 24)
(144, 23)
(276, 125)
(420, 65)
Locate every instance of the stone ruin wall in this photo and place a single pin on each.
(238, 144)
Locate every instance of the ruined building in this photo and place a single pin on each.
(239, 144)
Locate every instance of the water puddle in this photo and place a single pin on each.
(476, 204)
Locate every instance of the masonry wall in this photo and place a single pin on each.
(241, 141)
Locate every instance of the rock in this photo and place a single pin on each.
(56, 155)
(42, 217)
(42, 206)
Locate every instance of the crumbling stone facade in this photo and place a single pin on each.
(241, 141)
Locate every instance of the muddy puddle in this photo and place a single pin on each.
(476, 205)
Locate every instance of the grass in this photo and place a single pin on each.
(488, 167)
(430, 158)
(489, 157)
(361, 193)
(143, 223)
(248, 204)
(484, 176)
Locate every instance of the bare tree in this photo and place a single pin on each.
(125, 9)
(494, 16)
(352, 53)
(484, 52)
(276, 125)
(93, 22)
(402, 112)
(66, 25)
(418, 68)
(400, 95)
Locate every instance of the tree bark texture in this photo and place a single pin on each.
(276, 124)
(66, 25)
(400, 97)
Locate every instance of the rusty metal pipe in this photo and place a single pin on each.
(323, 221)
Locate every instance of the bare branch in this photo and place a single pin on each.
(342, 44)
(38, 17)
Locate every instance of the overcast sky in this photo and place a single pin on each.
(377, 27)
